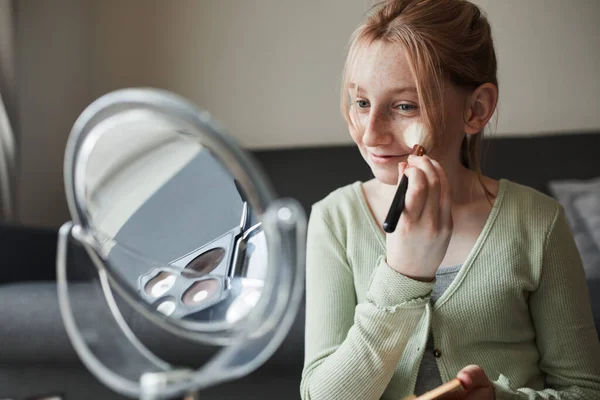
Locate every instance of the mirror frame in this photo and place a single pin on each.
(285, 232)
(221, 145)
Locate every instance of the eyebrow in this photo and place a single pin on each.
(397, 90)
(405, 89)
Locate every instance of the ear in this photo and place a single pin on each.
(480, 107)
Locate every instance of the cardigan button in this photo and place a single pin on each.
(437, 353)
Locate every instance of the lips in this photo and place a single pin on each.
(383, 159)
(387, 155)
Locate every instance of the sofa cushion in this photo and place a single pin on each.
(581, 202)
(32, 330)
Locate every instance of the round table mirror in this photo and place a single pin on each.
(184, 229)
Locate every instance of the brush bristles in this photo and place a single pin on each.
(416, 134)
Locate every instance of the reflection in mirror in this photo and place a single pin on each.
(201, 292)
(173, 223)
(183, 227)
(160, 284)
(204, 263)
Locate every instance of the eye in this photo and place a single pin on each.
(362, 103)
(406, 107)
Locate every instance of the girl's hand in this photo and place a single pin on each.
(418, 245)
(476, 384)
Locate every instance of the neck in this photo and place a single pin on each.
(464, 183)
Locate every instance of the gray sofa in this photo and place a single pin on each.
(36, 357)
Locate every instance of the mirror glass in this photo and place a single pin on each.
(196, 268)
(169, 220)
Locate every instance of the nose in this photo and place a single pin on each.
(377, 129)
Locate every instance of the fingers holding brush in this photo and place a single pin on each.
(476, 383)
(431, 208)
(418, 245)
(416, 195)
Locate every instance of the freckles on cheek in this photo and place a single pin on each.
(356, 137)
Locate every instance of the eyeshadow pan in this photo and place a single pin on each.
(160, 284)
(200, 291)
(166, 307)
(204, 263)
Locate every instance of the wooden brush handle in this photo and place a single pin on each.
(452, 390)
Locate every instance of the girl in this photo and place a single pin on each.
(481, 279)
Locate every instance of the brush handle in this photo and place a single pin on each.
(393, 216)
(452, 390)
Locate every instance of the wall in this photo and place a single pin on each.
(549, 63)
(53, 65)
(269, 69)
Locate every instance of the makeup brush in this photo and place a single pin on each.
(416, 136)
(452, 390)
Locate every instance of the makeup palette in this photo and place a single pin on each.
(220, 280)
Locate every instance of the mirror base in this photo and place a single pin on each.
(153, 384)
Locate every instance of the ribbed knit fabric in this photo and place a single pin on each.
(428, 377)
(518, 307)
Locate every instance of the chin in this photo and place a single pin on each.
(387, 176)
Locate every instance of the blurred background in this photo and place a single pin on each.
(269, 69)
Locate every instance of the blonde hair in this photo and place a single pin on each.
(445, 41)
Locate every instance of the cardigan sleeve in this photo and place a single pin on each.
(352, 350)
(565, 333)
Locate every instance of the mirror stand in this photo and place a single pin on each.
(285, 216)
(181, 229)
(152, 384)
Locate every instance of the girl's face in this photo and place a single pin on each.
(384, 103)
